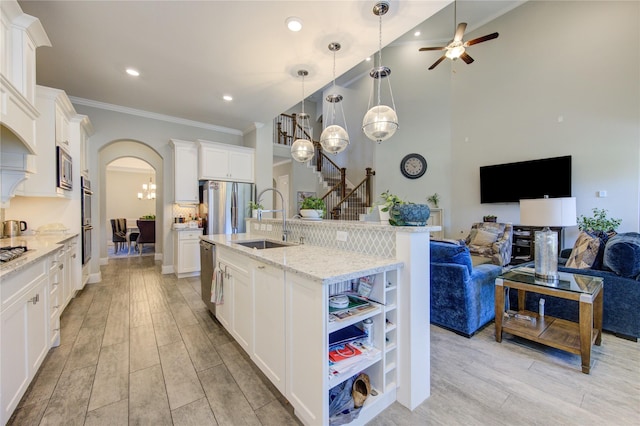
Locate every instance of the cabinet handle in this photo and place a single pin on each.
(35, 299)
(56, 329)
(56, 307)
(61, 266)
(74, 256)
(261, 267)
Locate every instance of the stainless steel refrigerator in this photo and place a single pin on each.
(225, 205)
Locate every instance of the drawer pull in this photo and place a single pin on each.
(261, 267)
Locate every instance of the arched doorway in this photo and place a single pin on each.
(139, 150)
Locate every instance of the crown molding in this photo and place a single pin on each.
(153, 115)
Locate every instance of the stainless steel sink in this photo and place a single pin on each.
(261, 244)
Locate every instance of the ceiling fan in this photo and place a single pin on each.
(457, 47)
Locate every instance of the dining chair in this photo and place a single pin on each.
(147, 233)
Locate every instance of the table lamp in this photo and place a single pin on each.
(547, 212)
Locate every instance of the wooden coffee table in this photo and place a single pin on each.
(569, 336)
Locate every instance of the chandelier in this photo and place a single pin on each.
(148, 191)
(302, 149)
(334, 138)
(381, 121)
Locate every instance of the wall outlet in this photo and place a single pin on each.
(342, 235)
(602, 194)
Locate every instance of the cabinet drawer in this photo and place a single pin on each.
(190, 235)
(14, 284)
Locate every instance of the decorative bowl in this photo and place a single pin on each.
(311, 214)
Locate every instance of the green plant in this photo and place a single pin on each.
(434, 199)
(599, 222)
(389, 200)
(148, 217)
(313, 203)
(255, 206)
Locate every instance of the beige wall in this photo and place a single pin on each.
(122, 189)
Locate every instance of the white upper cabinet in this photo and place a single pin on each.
(225, 162)
(53, 133)
(20, 35)
(185, 168)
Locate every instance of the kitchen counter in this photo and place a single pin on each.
(38, 246)
(320, 264)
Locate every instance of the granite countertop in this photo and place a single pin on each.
(320, 264)
(38, 246)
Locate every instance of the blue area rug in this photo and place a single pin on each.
(147, 250)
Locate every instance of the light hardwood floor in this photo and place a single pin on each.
(140, 348)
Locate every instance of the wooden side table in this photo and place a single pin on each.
(569, 336)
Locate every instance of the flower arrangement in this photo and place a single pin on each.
(599, 222)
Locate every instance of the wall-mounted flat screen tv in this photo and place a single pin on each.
(508, 183)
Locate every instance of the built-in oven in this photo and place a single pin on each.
(87, 228)
(65, 180)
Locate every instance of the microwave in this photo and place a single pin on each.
(65, 180)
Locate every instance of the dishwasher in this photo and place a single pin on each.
(207, 261)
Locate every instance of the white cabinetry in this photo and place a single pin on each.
(53, 131)
(24, 319)
(436, 218)
(185, 167)
(80, 130)
(225, 162)
(186, 252)
(236, 313)
(269, 323)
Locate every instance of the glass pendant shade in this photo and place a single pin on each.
(302, 150)
(380, 123)
(334, 139)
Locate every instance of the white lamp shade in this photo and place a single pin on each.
(380, 123)
(302, 150)
(334, 139)
(548, 212)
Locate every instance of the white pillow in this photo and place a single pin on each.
(484, 238)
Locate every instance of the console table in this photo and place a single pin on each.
(569, 336)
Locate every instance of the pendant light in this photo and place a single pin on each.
(302, 149)
(334, 138)
(381, 121)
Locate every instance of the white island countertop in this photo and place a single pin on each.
(321, 264)
(38, 246)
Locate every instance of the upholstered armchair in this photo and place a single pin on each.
(491, 240)
(462, 295)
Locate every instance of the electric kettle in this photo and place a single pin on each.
(13, 228)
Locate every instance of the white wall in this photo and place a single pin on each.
(562, 79)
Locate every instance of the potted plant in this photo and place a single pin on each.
(490, 218)
(402, 213)
(254, 207)
(599, 222)
(313, 208)
(434, 199)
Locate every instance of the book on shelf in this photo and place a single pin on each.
(353, 363)
(357, 306)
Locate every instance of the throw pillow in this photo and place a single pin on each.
(585, 251)
(622, 255)
(484, 238)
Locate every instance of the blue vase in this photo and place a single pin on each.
(411, 214)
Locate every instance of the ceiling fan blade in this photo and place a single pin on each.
(435, 64)
(481, 39)
(465, 57)
(460, 31)
(424, 49)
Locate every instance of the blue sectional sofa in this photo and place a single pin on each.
(462, 296)
(621, 298)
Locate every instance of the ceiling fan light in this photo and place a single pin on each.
(302, 150)
(380, 123)
(455, 52)
(334, 139)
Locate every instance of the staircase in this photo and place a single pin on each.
(343, 201)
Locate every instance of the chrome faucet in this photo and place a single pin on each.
(283, 210)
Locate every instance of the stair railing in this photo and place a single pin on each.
(356, 202)
(287, 129)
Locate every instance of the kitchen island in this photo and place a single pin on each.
(276, 307)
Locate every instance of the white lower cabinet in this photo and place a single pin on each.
(269, 323)
(186, 252)
(281, 319)
(24, 329)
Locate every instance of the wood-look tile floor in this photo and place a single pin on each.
(141, 348)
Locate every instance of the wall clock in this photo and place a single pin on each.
(413, 166)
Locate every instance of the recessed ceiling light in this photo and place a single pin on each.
(294, 23)
(368, 59)
(227, 97)
(417, 33)
(133, 72)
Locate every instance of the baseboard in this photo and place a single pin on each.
(95, 278)
(167, 269)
